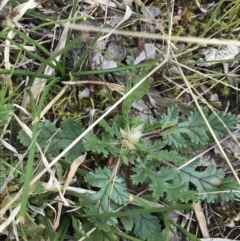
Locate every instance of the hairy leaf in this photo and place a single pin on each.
(228, 190)
(175, 139)
(112, 130)
(92, 143)
(171, 115)
(151, 147)
(105, 145)
(137, 94)
(2, 175)
(100, 204)
(147, 227)
(127, 222)
(169, 156)
(114, 188)
(149, 126)
(193, 132)
(144, 168)
(211, 180)
(152, 152)
(162, 183)
(173, 191)
(229, 119)
(56, 139)
(78, 229)
(141, 173)
(6, 112)
(110, 143)
(202, 180)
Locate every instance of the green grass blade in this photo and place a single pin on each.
(29, 169)
(60, 235)
(86, 52)
(140, 211)
(30, 162)
(74, 8)
(210, 23)
(126, 236)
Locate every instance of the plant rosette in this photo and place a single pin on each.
(132, 136)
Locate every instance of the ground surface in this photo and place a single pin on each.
(42, 53)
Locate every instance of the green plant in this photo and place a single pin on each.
(155, 163)
(101, 202)
(6, 112)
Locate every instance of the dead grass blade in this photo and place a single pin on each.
(207, 124)
(201, 219)
(74, 166)
(113, 87)
(201, 41)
